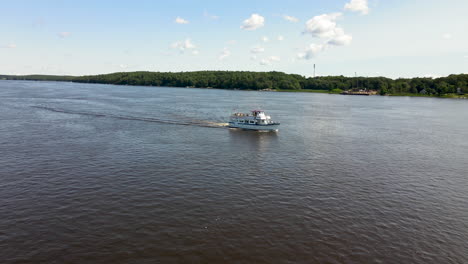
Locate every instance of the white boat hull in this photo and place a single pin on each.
(269, 127)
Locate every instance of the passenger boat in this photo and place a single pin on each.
(255, 120)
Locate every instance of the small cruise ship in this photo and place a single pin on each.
(256, 120)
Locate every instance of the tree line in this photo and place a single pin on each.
(244, 80)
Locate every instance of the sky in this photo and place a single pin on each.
(391, 38)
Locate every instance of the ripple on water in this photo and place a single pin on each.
(111, 174)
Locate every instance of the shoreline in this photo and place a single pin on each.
(445, 96)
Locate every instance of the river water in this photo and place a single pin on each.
(95, 173)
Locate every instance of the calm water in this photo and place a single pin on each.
(120, 174)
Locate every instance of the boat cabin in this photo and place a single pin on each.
(256, 117)
(255, 120)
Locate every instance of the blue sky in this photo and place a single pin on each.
(392, 38)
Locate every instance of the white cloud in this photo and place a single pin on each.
(123, 66)
(432, 76)
(358, 6)
(257, 49)
(280, 38)
(290, 18)
(274, 58)
(466, 56)
(64, 34)
(183, 45)
(447, 36)
(253, 57)
(264, 39)
(195, 52)
(231, 42)
(180, 20)
(254, 22)
(10, 46)
(270, 60)
(224, 54)
(265, 62)
(210, 16)
(340, 38)
(324, 26)
(311, 51)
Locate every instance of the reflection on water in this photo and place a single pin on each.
(258, 140)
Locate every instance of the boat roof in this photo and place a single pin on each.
(257, 111)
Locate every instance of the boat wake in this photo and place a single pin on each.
(186, 122)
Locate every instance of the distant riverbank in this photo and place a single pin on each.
(336, 92)
(453, 86)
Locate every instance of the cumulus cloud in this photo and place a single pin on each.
(290, 18)
(10, 46)
(64, 34)
(255, 21)
(210, 16)
(447, 36)
(180, 20)
(324, 26)
(311, 51)
(270, 60)
(432, 76)
(358, 6)
(182, 46)
(195, 52)
(340, 38)
(265, 62)
(224, 54)
(264, 39)
(257, 49)
(274, 58)
(280, 38)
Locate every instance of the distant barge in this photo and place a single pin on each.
(360, 92)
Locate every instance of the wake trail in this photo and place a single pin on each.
(200, 123)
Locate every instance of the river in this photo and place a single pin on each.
(94, 173)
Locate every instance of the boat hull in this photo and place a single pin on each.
(270, 127)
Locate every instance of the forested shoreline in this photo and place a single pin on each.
(243, 80)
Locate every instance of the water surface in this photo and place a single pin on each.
(121, 174)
